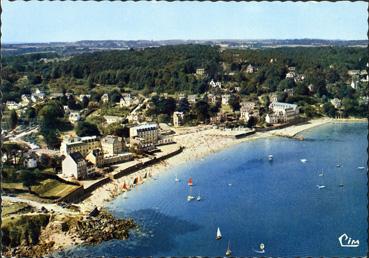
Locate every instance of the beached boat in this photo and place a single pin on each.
(189, 196)
(303, 160)
(228, 252)
(190, 183)
(219, 235)
(270, 157)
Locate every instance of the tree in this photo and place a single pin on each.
(202, 110)
(51, 137)
(183, 105)
(329, 109)
(84, 128)
(234, 102)
(252, 122)
(85, 102)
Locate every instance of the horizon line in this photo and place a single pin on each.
(157, 40)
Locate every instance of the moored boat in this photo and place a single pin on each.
(219, 235)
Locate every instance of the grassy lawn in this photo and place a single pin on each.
(51, 188)
(227, 109)
(9, 208)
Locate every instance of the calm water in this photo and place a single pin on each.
(276, 203)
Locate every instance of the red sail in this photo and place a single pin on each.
(190, 181)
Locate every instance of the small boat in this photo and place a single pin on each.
(270, 157)
(261, 249)
(198, 197)
(125, 195)
(190, 197)
(229, 184)
(219, 235)
(341, 185)
(303, 160)
(360, 168)
(228, 252)
(338, 165)
(190, 183)
(320, 186)
(321, 174)
(177, 179)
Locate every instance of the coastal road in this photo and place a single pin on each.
(38, 205)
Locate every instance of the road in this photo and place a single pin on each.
(38, 205)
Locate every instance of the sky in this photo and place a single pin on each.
(56, 21)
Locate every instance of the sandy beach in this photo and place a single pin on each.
(198, 142)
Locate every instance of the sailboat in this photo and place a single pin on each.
(198, 197)
(261, 249)
(341, 180)
(177, 179)
(190, 183)
(303, 160)
(320, 186)
(190, 197)
(270, 157)
(321, 173)
(219, 235)
(360, 168)
(228, 252)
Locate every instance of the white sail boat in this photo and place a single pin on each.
(303, 160)
(261, 249)
(341, 180)
(198, 197)
(190, 197)
(228, 252)
(219, 235)
(270, 157)
(177, 179)
(321, 173)
(321, 186)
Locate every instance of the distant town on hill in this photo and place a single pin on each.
(85, 46)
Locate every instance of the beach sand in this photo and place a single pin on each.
(198, 142)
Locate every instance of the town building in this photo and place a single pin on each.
(271, 118)
(192, 99)
(80, 144)
(145, 136)
(125, 100)
(38, 95)
(225, 99)
(273, 97)
(113, 119)
(66, 110)
(96, 157)
(281, 106)
(112, 145)
(354, 84)
(290, 75)
(215, 84)
(200, 71)
(246, 113)
(247, 106)
(336, 102)
(25, 100)
(81, 96)
(74, 165)
(74, 117)
(105, 98)
(178, 118)
(250, 69)
(12, 105)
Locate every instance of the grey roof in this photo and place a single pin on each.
(76, 156)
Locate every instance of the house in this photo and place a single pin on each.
(80, 144)
(74, 117)
(25, 100)
(178, 119)
(225, 99)
(281, 106)
(271, 118)
(38, 95)
(96, 157)
(213, 98)
(105, 98)
(250, 69)
(125, 100)
(353, 72)
(81, 96)
(336, 102)
(74, 165)
(311, 87)
(200, 71)
(354, 84)
(273, 97)
(290, 92)
(290, 75)
(112, 145)
(113, 119)
(247, 106)
(245, 114)
(30, 161)
(215, 84)
(145, 136)
(66, 109)
(192, 98)
(12, 105)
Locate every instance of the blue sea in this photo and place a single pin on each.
(253, 200)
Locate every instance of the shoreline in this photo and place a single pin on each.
(197, 144)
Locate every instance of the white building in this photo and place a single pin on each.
(192, 98)
(250, 69)
(113, 119)
(336, 102)
(125, 100)
(290, 75)
(105, 98)
(145, 135)
(112, 145)
(80, 144)
(12, 105)
(26, 100)
(354, 84)
(74, 117)
(80, 97)
(178, 119)
(215, 84)
(74, 165)
(281, 106)
(225, 99)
